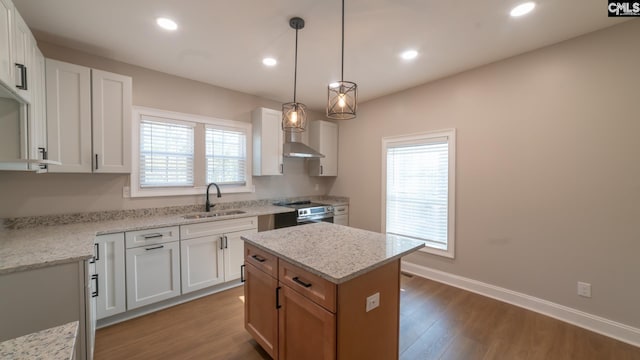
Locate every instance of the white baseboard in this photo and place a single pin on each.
(600, 325)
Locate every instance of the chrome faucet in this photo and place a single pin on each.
(208, 205)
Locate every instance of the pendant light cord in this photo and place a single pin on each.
(295, 69)
(342, 63)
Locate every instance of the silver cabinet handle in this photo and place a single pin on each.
(155, 247)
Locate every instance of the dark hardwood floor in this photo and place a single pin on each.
(437, 321)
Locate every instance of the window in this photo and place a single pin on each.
(226, 156)
(166, 153)
(419, 187)
(179, 154)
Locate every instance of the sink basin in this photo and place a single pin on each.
(213, 214)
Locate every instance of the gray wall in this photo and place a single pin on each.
(24, 194)
(548, 169)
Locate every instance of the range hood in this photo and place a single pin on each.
(294, 148)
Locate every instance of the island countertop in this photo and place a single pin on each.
(334, 252)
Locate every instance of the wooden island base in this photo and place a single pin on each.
(294, 314)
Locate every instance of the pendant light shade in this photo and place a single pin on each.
(342, 101)
(294, 117)
(294, 114)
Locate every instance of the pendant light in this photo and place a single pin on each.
(294, 114)
(342, 95)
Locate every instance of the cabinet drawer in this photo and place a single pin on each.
(341, 210)
(217, 227)
(261, 259)
(151, 236)
(313, 287)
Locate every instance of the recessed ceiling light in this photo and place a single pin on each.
(522, 9)
(269, 61)
(409, 55)
(167, 24)
(334, 85)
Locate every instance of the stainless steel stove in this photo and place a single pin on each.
(306, 212)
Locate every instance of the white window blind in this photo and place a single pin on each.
(226, 156)
(166, 153)
(418, 190)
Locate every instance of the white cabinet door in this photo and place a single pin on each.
(153, 274)
(6, 43)
(111, 111)
(201, 263)
(341, 220)
(234, 254)
(268, 139)
(68, 116)
(109, 261)
(22, 53)
(37, 114)
(323, 137)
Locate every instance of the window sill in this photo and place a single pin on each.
(159, 192)
(436, 251)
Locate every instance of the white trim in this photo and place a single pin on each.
(448, 135)
(192, 120)
(600, 325)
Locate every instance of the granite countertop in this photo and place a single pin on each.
(51, 245)
(333, 202)
(56, 343)
(334, 252)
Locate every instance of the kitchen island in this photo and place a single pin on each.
(324, 291)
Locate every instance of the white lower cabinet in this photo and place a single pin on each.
(202, 262)
(109, 261)
(163, 263)
(153, 273)
(341, 215)
(234, 254)
(213, 252)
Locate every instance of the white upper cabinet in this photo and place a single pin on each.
(22, 57)
(323, 137)
(68, 92)
(111, 110)
(89, 119)
(38, 114)
(268, 139)
(23, 144)
(6, 42)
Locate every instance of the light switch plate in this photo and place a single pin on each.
(373, 302)
(584, 289)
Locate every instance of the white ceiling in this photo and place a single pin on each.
(223, 42)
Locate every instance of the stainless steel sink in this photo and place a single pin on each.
(213, 214)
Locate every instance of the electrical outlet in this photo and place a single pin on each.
(317, 187)
(126, 192)
(373, 302)
(584, 289)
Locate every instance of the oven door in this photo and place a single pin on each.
(316, 219)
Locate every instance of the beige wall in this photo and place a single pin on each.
(24, 194)
(548, 169)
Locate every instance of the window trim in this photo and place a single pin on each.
(200, 185)
(417, 138)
